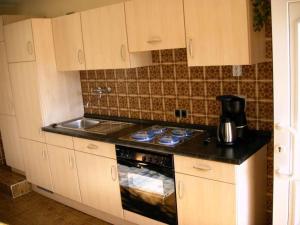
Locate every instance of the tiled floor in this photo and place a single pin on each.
(34, 209)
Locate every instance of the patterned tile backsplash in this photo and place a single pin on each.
(154, 92)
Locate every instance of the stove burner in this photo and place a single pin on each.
(181, 132)
(143, 135)
(158, 129)
(169, 140)
(163, 135)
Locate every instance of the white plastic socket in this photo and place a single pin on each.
(237, 71)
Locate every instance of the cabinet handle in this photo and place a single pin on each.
(202, 167)
(154, 40)
(92, 146)
(29, 47)
(44, 154)
(71, 162)
(80, 56)
(113, 173)
(123, 54)
(180, 189)
(190, 45)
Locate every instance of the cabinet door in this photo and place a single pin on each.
(19, 41)
(64, 172)
(203, 201)
(105, 38)
(24, 79)
(98, 181)
(155, 24)
(37, 163)
(6, 100)
(217, 32)
(11, 142)
(68, 42)
(1, 29)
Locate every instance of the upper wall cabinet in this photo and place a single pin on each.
(105, 39)
(1, 29)
(68, 42)
(220, 32)
(155, 24)
(19, 42)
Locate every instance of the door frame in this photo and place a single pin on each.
(284, 132)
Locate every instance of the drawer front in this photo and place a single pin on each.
(59, 140)
(95, 147)
(204, 168)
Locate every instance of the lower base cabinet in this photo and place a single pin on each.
(203, 201)
(99, 185)
(64, 172)
(11, 142)
(36, 160)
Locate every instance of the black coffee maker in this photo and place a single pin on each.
(233, 112)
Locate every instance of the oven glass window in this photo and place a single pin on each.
(148, 190)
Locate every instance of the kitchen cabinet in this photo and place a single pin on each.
(37, 163)
(105, 39)
(19, 41)
(221, 33)
(11, 142)
(155, 24)
(95, 147)
(98, 181)
(6, 99)
(203, 201)
(25, 92)
(1, 29)
(42, 95)
(64, 172)
(215, 193)
(59, 140)
(67, 35)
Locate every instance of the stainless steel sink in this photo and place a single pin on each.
(103, 127)
(82, 123)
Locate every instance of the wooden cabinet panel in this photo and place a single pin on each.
(1, 29)
(25, 88)
(220, 32)
(6, 99)
(37, 163)
(155, 24)
(59, 140)
(64, 172)
(105, 38)
(204, 168)
(202, 201)
(11, 142)
(98, 181)
(95, 147)
(19, 41)
(68, 42)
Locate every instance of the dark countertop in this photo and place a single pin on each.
(195, 147)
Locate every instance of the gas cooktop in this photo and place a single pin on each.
(163, 136)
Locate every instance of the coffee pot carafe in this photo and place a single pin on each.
(233, 116)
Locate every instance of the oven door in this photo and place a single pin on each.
(148, 190)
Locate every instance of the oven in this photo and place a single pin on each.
(147, 183)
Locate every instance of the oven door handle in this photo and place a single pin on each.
(135, 164)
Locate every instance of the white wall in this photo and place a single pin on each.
(53, 8)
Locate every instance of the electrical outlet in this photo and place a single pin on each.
(183, 113)
(237, 71)
(177, 113)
